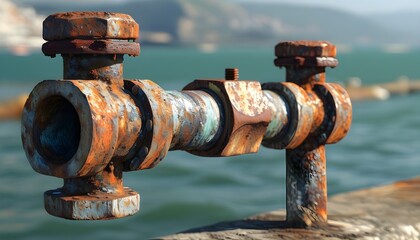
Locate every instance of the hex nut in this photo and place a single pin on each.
(89, 25)
(305, 49)
(245, 119)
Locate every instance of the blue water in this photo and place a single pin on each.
(186, 191)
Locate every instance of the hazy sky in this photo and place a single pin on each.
(358, 6)
(355, 6)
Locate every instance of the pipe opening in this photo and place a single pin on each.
(56, 130)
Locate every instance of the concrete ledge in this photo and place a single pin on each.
(387, 212)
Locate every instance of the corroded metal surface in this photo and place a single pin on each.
(306, 62)
(300, 116)
(84, 127)
(93, 125)
(305, 54)
(306, 187)
(279, 114)
(328, 122)
(305, 49)
(96, 206)
(90, 46)
(89, 25)
(197, 120)
(157, 124)
(108, 68)
(245, 118)
(231, 74)
(74, 128)
(340, 112)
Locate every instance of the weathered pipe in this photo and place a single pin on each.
(88, 132)
(306, 175)
(104, 67)
(82, 128)
(74, 128)
(93, 125)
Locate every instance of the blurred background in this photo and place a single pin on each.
(182, 40)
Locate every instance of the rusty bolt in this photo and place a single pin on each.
(305, 62)
(245, 118)
(231, 74)
(305, 54)
(305, 49)
(89, 25)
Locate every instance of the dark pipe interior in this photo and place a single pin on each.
(56, 129)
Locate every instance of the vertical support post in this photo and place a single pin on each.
(306, 178)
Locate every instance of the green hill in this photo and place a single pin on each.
(186, 22)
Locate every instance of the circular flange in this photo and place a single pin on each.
(156, 133)
(306, 62)
(95, 206)
(300, 116)
(90, 46)
(338, 109)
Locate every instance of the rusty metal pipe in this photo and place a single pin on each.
(105, 67)
(279, 114)
(244, 110)
(196, 118)
(306, 182)
(93, 125)
(81, 129)
(78, 129)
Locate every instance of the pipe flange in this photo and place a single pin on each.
(90, 46)
(338, 111)
(245, 119)
(71, 128)
(89, 25)
(300, 116)
(155, 138)
(52, 122)
(92, 207)
(306, 62)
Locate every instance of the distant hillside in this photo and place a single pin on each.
(186, 22)
(323, 23)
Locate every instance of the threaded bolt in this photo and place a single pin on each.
(231, 74)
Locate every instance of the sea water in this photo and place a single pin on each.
(186, 191)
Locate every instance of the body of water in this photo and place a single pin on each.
(186, 191)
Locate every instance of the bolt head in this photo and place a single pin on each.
(305, 49)
(89, 25)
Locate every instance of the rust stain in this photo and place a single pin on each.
(105, 25)
(246, 118)
(90, 46)
(328, 120)
(93, 125)
(305, 49)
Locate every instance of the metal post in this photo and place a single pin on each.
(306, 176)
